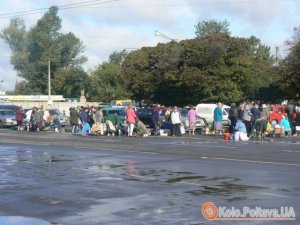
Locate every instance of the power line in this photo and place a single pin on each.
(199, 4)
(97, 2)
(62, 7)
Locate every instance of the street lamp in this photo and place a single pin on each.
(157, 33)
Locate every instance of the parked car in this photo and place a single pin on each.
(109, 113)
(145, 115)
(7, 118)
(206, 112)
(10, 107)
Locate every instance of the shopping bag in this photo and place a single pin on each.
(182, 129)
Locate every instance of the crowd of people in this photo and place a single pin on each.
(252, 120)
(245, 121)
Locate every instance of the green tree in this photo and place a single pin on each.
(105, 80)
(205, 69)
(33, 49)
(290, 68)
(205, 28)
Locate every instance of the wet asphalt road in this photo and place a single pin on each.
(68, 179)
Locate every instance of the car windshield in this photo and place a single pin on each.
(7, 112)
(144, 111)
(118, 112)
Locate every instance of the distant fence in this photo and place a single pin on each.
(62, 106)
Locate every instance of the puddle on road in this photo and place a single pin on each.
(225, 189)
(19, 220)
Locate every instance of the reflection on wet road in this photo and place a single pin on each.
(85, 186)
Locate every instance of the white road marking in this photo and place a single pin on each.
(77, 147)
(254, 161)
(24, 142)
(190, 145)
(286, 150)
(280, 196)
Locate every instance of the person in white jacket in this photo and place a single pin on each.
(176, 121)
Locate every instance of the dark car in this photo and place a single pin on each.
(145, 115)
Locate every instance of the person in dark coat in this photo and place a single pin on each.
(74, 119)
(290, 111)
(155, 120)
(84, 115)
(255, 115)
(233, 117)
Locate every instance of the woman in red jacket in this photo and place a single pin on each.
(19, 117)
(130, 119)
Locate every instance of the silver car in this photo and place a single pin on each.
(7, 118)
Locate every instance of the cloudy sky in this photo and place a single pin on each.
(108, 25)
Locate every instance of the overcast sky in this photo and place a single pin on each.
(105, 26)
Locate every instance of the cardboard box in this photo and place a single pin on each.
(279, 131)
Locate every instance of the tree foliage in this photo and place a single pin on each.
(290, 67)
(105, 80)
(206, 69)
(205, 28)
(32, 49)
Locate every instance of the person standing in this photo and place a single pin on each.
(192, 120)
(233, 117)
(247, 118)
(74, 118)
(176, 121)
(84, 115)
(255, 115)
(39, 119)
(291, 110)
(34, 119)
(131, 119)
(155, 120)
(218, 117)
(19, 117)
(265, 111)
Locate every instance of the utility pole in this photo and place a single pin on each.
(276, 55)
(49, 84)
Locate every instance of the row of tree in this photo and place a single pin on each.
(214, 66)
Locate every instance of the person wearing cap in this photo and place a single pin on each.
(286, 126)
(265, 111)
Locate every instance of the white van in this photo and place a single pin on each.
(206, 111)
